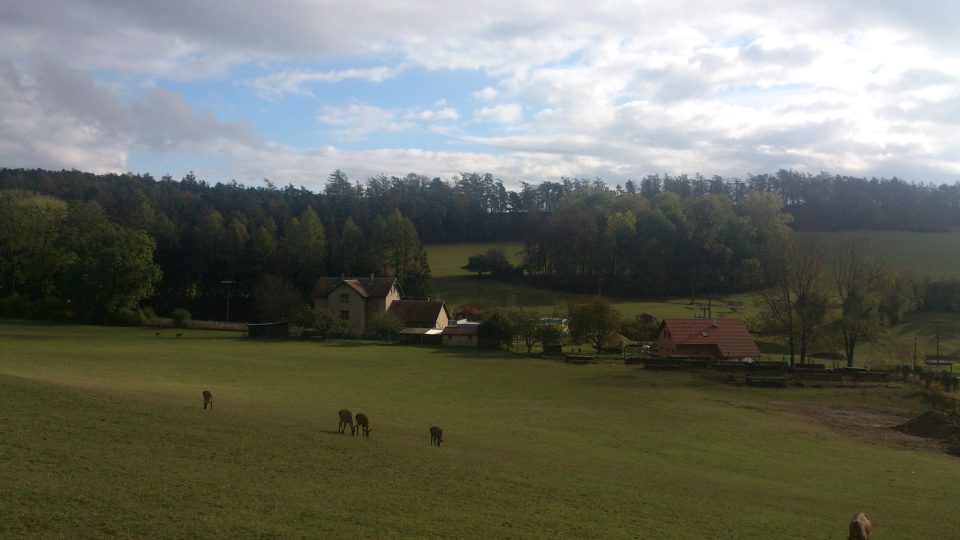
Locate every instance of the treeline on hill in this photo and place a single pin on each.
(207, 243)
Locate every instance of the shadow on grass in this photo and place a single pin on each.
(332, 432)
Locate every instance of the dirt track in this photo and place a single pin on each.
(871, 425)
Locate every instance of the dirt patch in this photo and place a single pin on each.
(936, 425)
(866, 424)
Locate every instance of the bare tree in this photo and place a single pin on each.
(859, 278)
(796, 305)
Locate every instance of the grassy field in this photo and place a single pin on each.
(460, 287)
(102, 433)
(934, 255)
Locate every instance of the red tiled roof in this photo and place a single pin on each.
(365, 287)
(419, 313)
(460, 331)
(729, 335)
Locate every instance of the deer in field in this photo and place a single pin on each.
(179, 334)
(364, 423)
(859, 527)
(346, 419)
(207, 399)
(436, 436)
(156, 334)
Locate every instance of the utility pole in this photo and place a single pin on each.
(228, 283)
(914, 353)
(938, 322)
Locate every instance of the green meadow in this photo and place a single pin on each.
(460, 287)
(102, 434)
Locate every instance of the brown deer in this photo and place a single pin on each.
(207, 399)
(156, 334)
(859, 527)
(364, 423)
(436, 436)
(179, 334)
(346, 419)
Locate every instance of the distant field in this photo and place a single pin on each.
(102, 434)
(460, 287)
(936, 255)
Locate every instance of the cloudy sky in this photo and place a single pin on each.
(528, 90)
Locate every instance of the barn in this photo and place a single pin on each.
(462, 335)
(421, 313)
(714, 339)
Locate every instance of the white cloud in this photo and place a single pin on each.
(279, 84)
(486, 93)
(357, 121)
(618, 88)
(53, 116)
(504, 113)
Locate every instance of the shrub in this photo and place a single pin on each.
(135, 317)
(181, 317)
(385, 326)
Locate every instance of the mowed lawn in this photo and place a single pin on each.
(102, 433)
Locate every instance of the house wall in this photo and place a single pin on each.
(666, 346)
(460, 341)
(443, 320)
(377, 305)
(698, 351)
(356, 305)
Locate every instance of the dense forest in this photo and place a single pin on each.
(87, 245)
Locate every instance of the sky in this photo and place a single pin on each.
(290, 90)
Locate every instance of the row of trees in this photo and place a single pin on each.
(70, 259)
(590, 321)
(658, 235)
(261, 248)
(844, 295)
(664, 245)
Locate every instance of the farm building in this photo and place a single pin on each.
(356, 300)
(432, 314)
(421, 336)
(462, 335)
(716, 339)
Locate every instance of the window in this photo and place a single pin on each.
(345, 315)
(344, 298)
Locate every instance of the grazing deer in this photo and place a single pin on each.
(156, 334)
(363, 422)
(179, 334)
(207, 399)
(436, 436)
(859, 527)
(346, 419)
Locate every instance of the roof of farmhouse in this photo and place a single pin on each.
(365, 286)
(729, 335)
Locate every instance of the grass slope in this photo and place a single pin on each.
(459, 287)
(103, 434)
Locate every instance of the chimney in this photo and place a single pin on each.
(371, 277)
(342, 276)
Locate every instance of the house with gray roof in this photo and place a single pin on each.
(356, 300)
